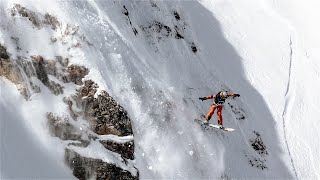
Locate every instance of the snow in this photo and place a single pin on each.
(266, 51)
(21, 154)
(115, 138)
(105, 155)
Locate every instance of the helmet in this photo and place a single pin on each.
(223, 93)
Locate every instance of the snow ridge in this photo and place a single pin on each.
(286, 107)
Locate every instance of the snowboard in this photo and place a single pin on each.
(201, 122)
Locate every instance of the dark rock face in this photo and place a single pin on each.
(88, 168)
(103, 112)
(36, 19)
(258, 163)
(126, 13)
(9, 70)
(126, 149)
(193, 47)
(176, 15)
(105, 116)
(110, 112)
(76, 73)
(41, 73)
(42, 69)
(238, 112)
(3, 52)
(24, 12)
(156, 31)
(60, 127)
(156, 27)
(51, 21)
(258, 144)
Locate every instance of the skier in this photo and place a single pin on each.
(219, 100)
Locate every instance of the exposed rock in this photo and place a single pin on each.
(51, 21)
(259, 163)
(38, 67)
(41, 68)
(193, 47)
(156, 27)
(24, 12)
(126, 13)
(177, 33)
(61, 128)
(76, 73)
(156, 31)
(224, 176)
(16, 42)
(89, 168)
(3, 52)
(51, 67)
(110, 112)
(70, 30)
(176, 15)
(35, 19)
(10, 70)
(89, 89)
(63, 61)
(238, 112)
(154, 5)
(55, 88)
(126, 149)
(41, 73)
(258, 144)
(35, 88)
(104, 114)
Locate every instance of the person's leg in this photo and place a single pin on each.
(211, 112)
(219, 113)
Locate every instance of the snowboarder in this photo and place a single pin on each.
(218, 102)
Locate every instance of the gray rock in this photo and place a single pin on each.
(61, 128)
(24, 12)
(51, 21)
(89, 168)
(3, 52)
(126, 149)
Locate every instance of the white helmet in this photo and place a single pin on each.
(223, 93)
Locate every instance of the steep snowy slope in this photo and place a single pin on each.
(21, 154)
(156, 58)
(303, 17)
(298, 116)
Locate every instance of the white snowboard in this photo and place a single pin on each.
(201, 122)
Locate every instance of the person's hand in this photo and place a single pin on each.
(203, 98)
(236, 95)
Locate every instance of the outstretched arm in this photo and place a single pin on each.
(207, 97)
(233, 94)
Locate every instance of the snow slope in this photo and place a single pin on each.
(21, 154)
(252, 48)
(299, 111)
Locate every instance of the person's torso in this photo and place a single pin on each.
(220, 99)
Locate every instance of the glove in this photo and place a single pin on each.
(203, 98)
(236, 95)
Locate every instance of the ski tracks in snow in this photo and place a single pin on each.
(289, 98)
(287, 106)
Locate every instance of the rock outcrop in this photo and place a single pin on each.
(9, 70)
(100, 113)
(89, 168)
(105, 117)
